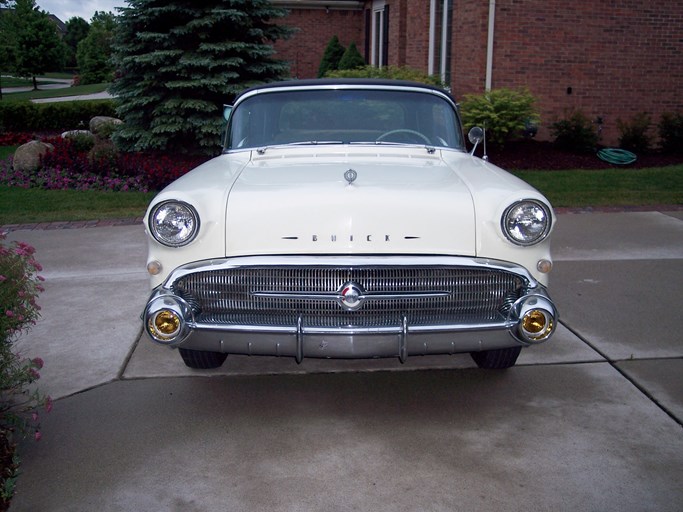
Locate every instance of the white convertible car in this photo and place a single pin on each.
(345, 219)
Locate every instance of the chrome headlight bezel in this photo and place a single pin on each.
(526, 222)
(169, 216)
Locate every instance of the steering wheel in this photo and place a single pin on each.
(406, 131)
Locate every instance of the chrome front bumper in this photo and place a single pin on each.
(300, 340)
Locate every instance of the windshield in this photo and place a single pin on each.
(344, 116)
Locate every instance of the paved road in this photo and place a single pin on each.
(59, 83)
(589, 421)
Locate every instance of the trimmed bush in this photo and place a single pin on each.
(24, 116)
(334, 51)
(352, 59)
(387, 73)
(670, 129)
(504, 113)
(634, 134)
(575, 133)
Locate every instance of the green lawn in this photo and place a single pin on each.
(609, 187)
(21, 206)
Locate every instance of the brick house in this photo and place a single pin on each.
(609, 58)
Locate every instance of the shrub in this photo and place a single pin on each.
(670, 130)
(504, 113)
(24, 116)
(352, 58)
(334, 51)
(634, 134)
(19, 287)
(387, 73)
(575, 133)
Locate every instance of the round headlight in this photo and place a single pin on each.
(173, 223)
(526, 222)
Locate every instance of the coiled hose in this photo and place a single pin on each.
(617, 156)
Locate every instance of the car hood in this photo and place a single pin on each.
(299, 201)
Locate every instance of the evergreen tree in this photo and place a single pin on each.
(334, 51)
(352, 59)
(38, 47)
(76, 30)
(94, 52)
(179, 61)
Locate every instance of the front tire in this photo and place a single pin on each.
(498, 359)
(201, 359)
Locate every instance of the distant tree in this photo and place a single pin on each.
(179, 62)
(76, 30)
(352, 59)
(37, 46)
(334, 51)
(7, 42)
(94, 54)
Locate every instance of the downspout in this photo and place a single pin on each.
(432, 37)
(489, 49)
(444, 40)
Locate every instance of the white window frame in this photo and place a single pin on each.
(377, 33)
(440, 46)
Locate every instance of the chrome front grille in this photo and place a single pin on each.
(279, 296)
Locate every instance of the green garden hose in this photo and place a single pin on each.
(617, 156)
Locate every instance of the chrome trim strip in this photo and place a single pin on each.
(394, 329)
(337, 296)
(345, 86)
(356, 261)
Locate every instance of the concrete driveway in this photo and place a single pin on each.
(589, 421)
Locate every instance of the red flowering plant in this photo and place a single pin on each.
(20, 285)
(98, 167)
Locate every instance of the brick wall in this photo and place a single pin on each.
(610, 59)
(304, 50)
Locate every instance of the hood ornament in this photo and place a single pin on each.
(350, 176)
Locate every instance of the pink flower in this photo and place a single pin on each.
(2, 278)
(37, 436)
(38, 362)
(9, 313)
(34, 416)
(48, 404)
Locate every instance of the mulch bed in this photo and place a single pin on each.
(539, 155)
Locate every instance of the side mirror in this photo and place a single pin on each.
(476, 135)
(227, 110)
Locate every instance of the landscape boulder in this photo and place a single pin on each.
(27, 156)
(103, 126)
(75, 134)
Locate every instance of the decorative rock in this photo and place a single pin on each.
(74, 134)
(27, 156)
(102, 126)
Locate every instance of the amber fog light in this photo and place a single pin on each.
(165, 324)
(154, 267)
(544, 266)
(537, 324)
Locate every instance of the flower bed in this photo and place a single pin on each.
(73, 165)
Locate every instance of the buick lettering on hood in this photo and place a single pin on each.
(346, 219)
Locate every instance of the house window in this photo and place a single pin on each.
(379, 33)
(440, 38)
